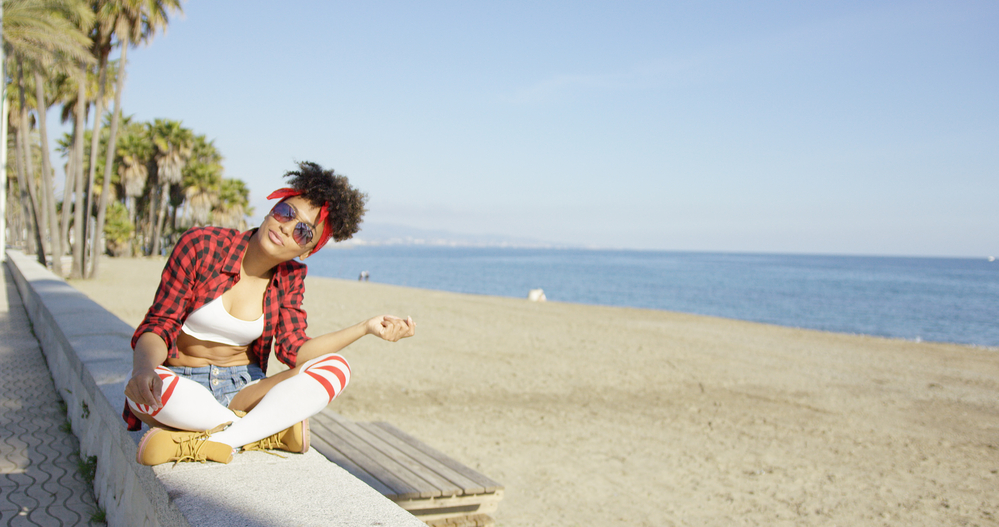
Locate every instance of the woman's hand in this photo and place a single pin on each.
(386, 326)
(144, 388)
(391, 328)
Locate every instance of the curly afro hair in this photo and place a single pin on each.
(322, 187)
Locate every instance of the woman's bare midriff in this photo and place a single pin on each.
(195, 353)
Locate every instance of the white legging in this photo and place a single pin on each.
(188, 405)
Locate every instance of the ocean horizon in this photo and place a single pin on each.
(935, 299)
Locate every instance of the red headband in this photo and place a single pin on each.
(285, 193)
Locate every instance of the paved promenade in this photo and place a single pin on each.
(39, 481)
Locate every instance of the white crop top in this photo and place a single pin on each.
(212, 323)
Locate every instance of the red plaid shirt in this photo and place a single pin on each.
(204, 264)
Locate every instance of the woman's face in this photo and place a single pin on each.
(277, 238)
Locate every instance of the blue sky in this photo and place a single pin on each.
(801, 127)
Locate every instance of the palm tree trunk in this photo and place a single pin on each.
(95, 143)
(25, 175)
(69, 187)
(49, 193)
(130, 207)
(109, 159)
(158, 232)
(29, 241)
(3, 156)
(3, 145)
(151, 214)
(29, 168)
(79, 203)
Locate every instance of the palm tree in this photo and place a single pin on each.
(132, 22)
(37, 29)
(233, 205)
(65, 90)
(42, 35)
(118, 230)
(134, 152)
(173, 148)
(202, 180)
(63, 60)
(85, 92)
(41, 105)
(48, 196)
(74, 96)
(25, 165)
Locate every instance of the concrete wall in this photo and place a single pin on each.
(89, 355)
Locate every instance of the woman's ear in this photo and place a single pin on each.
(305, 255)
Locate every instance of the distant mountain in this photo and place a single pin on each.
(389, 234)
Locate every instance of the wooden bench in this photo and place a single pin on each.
(430, 485)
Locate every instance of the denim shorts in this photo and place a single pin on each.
(224, 383)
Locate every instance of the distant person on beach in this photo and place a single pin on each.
(200, 354)
(363, 277)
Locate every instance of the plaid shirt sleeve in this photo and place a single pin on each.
(166, 316)
(291, 323)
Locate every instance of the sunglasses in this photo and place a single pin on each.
(283, 213)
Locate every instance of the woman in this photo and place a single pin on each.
(224, 299)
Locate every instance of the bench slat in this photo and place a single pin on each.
(427, 473)
(363, 455)
(331, 453)
(464, 484)
(488, 484)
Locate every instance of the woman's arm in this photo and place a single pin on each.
(154, 337)
(165, 316)
(145, 386)
(386, 327)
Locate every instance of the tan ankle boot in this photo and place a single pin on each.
(161, 446)
(292, 439)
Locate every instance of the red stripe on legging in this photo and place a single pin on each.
(326, 384)
(168, 392)
(324, 365)
(337, 358)
(336, 371)
(344, 362)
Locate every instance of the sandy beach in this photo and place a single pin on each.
(613, 416)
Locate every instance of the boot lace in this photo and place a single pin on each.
(189, 448)
(266, 445)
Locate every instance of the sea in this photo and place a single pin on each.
(922, 299)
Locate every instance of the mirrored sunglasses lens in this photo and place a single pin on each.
(302, 234)
(283, 212)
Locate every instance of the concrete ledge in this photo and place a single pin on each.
(89, 356)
